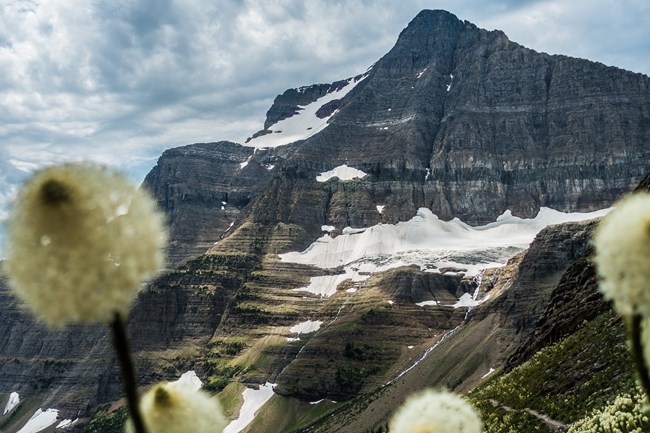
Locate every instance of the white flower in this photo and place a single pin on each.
(622, 243)
(171, 408)
(435, 412)
(81, 241)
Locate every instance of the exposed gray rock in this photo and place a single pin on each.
(73, 369)
(67, 367)
(203, 188)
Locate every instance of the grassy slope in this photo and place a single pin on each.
(564, 382)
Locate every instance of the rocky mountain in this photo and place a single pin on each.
(383, 233)
(454, 118)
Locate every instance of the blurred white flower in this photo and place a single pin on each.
(174, 408)
(435, 412)
(81, 241)
(622, 258)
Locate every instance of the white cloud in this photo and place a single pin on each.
(612, 33)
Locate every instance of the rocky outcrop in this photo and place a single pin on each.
(67, 367)
(291, 101)
(575, 301)
(515, 297)
(366, 345)
(538, 273)
(644, 185)
(203, 188)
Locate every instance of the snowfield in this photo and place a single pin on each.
(14, 399)
(40, 421)
(326, 285)
(306, 327)
(426, 241)
(304, 124)
(254, 399)
(343, 172)
(188, 380)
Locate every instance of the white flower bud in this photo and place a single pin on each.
(170, 408)
(81, 241)
(435, 412)
(622, 243)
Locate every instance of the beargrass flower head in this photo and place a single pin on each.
(81, 241)
(435, 412)
(622, 258)
(174, 408)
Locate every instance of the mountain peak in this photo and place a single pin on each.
(431, 15)
(430, 38)
(438, 23)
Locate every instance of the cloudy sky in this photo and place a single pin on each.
(119, 81)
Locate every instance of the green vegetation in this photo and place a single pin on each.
(350, 378)
(262, 310)
(229, 357)
(361, 352)
(257, 356)
(107, 422)
(14, 415)
(219, 375)
(226, 346)
(231, 398)
(564, 382)
(502, 420)
(233, 260)
(627, 414)
(286, 414)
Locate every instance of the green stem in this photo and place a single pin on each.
(637, 352)
(121, 345)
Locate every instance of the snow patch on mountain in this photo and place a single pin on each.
(254, 399)
(426, 303)
(343, 172)
(426, 241)
(66, 423)
(188, 380)
(466, 301)
(242, 165)
(306, 327)
(13, 401)
(326, 285)
(40, 421)
(304, 124)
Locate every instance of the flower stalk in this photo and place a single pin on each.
(121, 345)
(636, 333)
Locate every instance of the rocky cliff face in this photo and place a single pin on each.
(574, 302)
(68, 367)
(203, 188)
(468, 123)
(74, 369)
(230, 317)
(292, 101)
